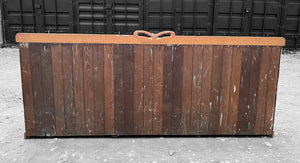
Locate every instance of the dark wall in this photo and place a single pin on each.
(185, 17)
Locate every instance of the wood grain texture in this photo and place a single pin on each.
(158, 89)
(187, 77)
(67, 61)
(148, 89)
(225, 89)
(78, 89)
(138, 89)
(58, 89)
(128, 89)
(109, 89)
(272, 89)
(48, 93)
(27, 90)
(178, 53)
(88, 76)
(196, 89)
(99, 89)
(167, 90)
(234, 90)
(215, 96)
(206, 90)
(37, 88)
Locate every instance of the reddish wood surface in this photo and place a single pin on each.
(125, 89)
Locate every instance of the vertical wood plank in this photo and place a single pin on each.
(128, 86)
(138, 89)
(109, 89)
(78, 89)
(196, 89)
(206, 87)
(216, 78)
(88, 76)
(58, 89)
(67, 60)
(225, 89)
(119, 88)
(36, 77)
(272, 89)
(158, 88)
(27, 89)
(234, 90)
(99, 89)
(253, 90)
(187, 76)
(148, 92)
(262, 90)
(47, 80)
(178, 51)
(243, 107)
(167, 90)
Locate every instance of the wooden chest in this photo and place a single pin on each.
(148, 84)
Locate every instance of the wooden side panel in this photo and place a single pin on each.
(138, 89)
(215, 90)
(88, 76)
(206, 89)
(234, 90)
(78, 89)
(187, 76)
(158, 89)
(119, 89)
(225, 89)
(99, 89)
(27, 89)
(47, 80)
(253, 90)
(272, 89)
(109, 89)
(67, 60)
(196, 89)
(148, 86)
(262, 90)
(58, 89)
(36, 72)
(177, 89)
(167, 90)
(128, 88)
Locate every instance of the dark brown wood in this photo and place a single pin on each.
(178, 51)
(67, 61)
(158, 89)
(225, 89)
(138, 89)
(215, 94)
(37, 88)
(58, 89)
(272, 89)
(196, 89)
(187, 77)
(78, 89)
(167, 90)
(262, 90)
(109, 89)
(234, 90)
(99, 89)
(88, 76)
(27, 90)
(48, 93)
(148, 89)
(206, 90)
(128, 89)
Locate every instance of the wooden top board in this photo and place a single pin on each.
(143, 37)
